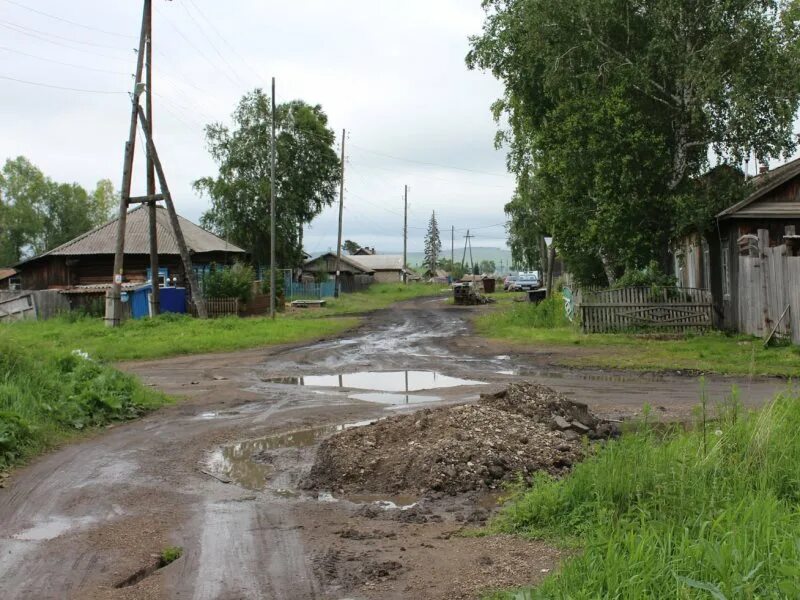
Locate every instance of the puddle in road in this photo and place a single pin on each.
(394, 399)
(381, 381)
(52, 528)
(234, 462)
(383, 501)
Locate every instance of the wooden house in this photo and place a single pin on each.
(85, 265)
(715, 261)
(352, 274)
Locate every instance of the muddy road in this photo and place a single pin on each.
(217, 474)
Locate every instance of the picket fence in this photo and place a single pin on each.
(673, 309)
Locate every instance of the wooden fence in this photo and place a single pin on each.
(643, 308)
(18, 308)
(768, 291)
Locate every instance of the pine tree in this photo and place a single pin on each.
(433, 244)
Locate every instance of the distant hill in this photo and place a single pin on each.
(415, 259)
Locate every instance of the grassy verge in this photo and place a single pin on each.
(47, 396)
(375, 297)
(706, 514)
(171, 335)
(544, 325)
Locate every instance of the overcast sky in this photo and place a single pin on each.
(391, 72)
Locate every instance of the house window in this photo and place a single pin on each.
(163, 276)
(706, 266)
(679, 262)
(726, 272)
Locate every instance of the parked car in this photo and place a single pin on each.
(526, 282)
(509, 281)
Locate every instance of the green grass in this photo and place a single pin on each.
(714, 352)
(712, 513)
(167, 335)
(47, 396)
(170, 555)
(375, 297)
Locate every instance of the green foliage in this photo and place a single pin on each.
(613, 111)
(351, 247)
(170, 555)
(487, 267)
(650, 276)
(547, 314)
(235, 281)
(280, 285)
(38, 214)
(456, 270)
(307, 171)
(433, 244)
(46, 394)
(672, 516)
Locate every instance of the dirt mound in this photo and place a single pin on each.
(525, 429)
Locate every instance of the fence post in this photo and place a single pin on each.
(763, 245)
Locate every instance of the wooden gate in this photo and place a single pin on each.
(17, 309)
(768, 292)
(645, 308)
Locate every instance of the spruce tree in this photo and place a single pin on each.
(433, 244)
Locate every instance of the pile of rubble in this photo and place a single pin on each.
(524, 429)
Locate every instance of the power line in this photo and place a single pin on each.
(429, 164)
(24, 30)
(196, 49)
(60, 87)
(63, 45)
(214, 46)
(247, 63)
(65, 64)
(63, 20)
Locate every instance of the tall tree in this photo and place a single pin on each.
(614, 107)
(433, 244)
(307, 173)
(351, 247)
(37, 213)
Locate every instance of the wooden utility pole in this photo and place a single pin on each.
(152, 207)
(339, 238)
(114, 296)
(405, 233)
(272, 211)
(113, 315)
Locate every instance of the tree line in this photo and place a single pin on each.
(627, 120)
(38, 214)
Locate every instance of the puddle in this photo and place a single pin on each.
(51, 529)
(394, 399)
(505, 372)
(383, 501)
(234, 462)
(382, 381)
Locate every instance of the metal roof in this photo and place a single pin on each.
(102, 239)
(761, 185)
(380, 262)
(6, 273)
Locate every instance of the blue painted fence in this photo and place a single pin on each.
(299, 291)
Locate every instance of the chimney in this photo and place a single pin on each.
(763, 168)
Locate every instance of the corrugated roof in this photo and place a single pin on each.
(6, 273)
(380, 262)
(346, 260)
(102, 240)
(761, 185)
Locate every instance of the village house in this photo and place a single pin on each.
(358, 270)
(718, 262)
(83, 267)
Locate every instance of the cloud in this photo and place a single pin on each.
(391, 72)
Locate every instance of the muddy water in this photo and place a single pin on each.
(379, 381)
(235, 462)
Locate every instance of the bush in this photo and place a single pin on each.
(280, 286)
(651, 276)
(231, 282)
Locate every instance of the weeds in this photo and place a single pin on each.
(695, 514)
(170, 555)
(47, 395)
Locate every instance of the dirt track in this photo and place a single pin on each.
(82, 519)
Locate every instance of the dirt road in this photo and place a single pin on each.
(217, 474)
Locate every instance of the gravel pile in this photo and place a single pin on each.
(457, 449)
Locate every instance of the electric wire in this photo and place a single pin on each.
(36, 32)
(60, 87)
(64, 20)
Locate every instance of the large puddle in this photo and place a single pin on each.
(380, 381)
(234, 462)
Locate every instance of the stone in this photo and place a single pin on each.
(580, 427)
(560, 422)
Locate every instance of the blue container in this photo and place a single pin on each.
(172, 299)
